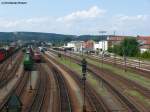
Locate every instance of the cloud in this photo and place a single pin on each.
(88, 21)
(12, 23)
(132, 18)
(135, 24)
(92, 12)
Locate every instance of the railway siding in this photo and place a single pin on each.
(105, 100)
(27, 96)
(53, 105)
(74, 91)
(108, 78)
(143, 81)
(9, 87)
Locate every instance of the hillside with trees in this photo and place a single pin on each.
(51, 37)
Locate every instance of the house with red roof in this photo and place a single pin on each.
(114, 40)
(144, 43)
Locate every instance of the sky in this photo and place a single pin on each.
(125, 17)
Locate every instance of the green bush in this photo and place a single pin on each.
(110, 49)
(146, 55)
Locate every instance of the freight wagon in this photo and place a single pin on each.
(3, 54)
(7, 52)
(37, 57)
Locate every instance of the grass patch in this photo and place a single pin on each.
(70, 64)
(90, 78)
(139, 96)
(138, 78)
(96, 83)
(128, 75)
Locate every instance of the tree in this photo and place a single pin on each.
(110, 49)
(146, 55)
(129, 47)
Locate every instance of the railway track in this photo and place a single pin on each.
(64, 99)
(22, 83)
(133, 66)
(108, 80)
(7, 61)
(96, 102)
(3, 68)
(144, 66)
(143, 90)
(136, 66)
(38, 99)
(7, 75)
(18, 88)
(64, 96)
(41, 92)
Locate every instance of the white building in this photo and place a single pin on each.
(101, 45)
(75, 45)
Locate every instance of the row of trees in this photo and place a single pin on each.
(129, 47)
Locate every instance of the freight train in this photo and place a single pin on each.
(3, 54)
(30, 57)
(7, 52)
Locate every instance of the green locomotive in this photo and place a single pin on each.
(28, 62)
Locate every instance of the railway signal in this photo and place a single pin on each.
(84, 70)
(84, 66)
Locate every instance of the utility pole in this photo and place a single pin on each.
(114, 50)
(139, 55)
(139, 62)
(82, 49)
(102, 38)
(70, 57)
(125, 59)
